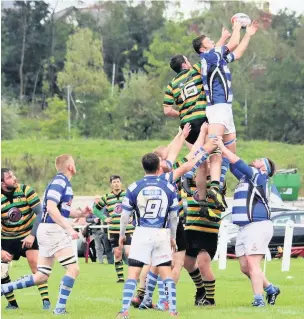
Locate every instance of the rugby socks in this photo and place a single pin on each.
(128, 292)
(210, 290)
(65, 289)
(171, 294)
(258, 299)
(198, 280)
(10, 297)
(203, 158)
(161, 290)
(44, 292)
(215, 184)
(119, 270)
(225, 166)
(270, 289)
(23, 282)
(150, 286)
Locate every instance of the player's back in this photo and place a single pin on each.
(153, 199)
(186, 91)
(59, 190)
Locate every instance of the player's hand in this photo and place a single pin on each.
(219, 142)
(186, 130)
(5, 256)
(73, 233)
(237, 25)
(173, 245)
(28, 241)
(96, 200)
(225, 33)
(121, 241)
(87, 211)
(204, 128)
(253, 28)
(108, 220)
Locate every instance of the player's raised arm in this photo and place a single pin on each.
(235, 37)
(224, 37)
(241, 48)
(176, 145)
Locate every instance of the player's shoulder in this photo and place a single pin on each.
(60, 179)
(197, 67)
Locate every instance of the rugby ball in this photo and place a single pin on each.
(242, 18)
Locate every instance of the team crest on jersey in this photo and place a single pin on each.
(118, 209)
(14, 215)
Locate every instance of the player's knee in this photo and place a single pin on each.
(4, 270)
(244, 270)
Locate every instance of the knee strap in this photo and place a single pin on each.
(65, 261)
(46, 270)
(230, 142)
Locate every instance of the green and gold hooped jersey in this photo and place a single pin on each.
(17, 216)
(193, 219)
(187, 92)
(112, 203)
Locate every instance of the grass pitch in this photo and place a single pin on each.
(96, 295)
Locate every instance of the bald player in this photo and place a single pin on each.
(55, 234)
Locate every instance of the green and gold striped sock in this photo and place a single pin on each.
(210, 290)
(119, 269)
(44, 291)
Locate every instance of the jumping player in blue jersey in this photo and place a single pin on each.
(216, 79)
(252, 214)
(55, 235)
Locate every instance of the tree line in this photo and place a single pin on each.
(111, 65)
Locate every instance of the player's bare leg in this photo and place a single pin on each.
(272, 291)
(41, 276)
(178, 263)
(136, 301)
(32, 259)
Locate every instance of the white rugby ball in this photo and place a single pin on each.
(242, 18)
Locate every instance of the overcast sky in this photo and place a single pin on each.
(190, 5)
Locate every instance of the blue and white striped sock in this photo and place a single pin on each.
(204, 157)
(65, 289)
(150, 286)
(161, 290)
(128, 292)
(225, 166)
(171, 293)
(23, 282)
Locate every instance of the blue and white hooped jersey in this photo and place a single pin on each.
(153, 199)
(251, 195)
(59, 191)
(216, 75)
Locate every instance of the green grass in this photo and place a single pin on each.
(33, 160)
(97, 295)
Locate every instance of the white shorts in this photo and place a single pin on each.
(151, 246)
(221, 114)
(51, 239)
(254, 238)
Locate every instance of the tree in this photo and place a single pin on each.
(27, 42)
(9, 119)
(55, 124)
(140, 105)
(83, 68)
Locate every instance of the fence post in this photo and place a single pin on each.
(287, 245)
(223, 240)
